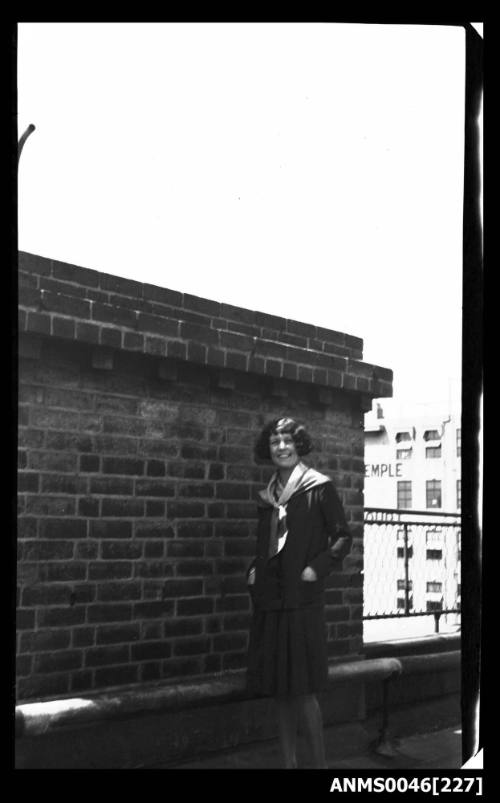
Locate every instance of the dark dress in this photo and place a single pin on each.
(287, 648)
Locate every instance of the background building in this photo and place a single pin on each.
(412, 463)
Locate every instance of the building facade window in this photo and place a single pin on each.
(459, 442)
(404, 494)
(401, 603)
(433, 452)
(434, 587)
(433, 536)
(401, 551)
(403, 436)
(432, 435)
(401, 585)
(403, 454)
(434, 554)
(434, 605)
(433, 493)
(459, 494)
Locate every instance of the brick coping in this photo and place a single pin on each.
(112, 313)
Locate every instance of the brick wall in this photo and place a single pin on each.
(138, 410)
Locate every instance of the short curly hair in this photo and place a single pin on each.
(299, 433)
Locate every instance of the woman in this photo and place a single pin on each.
(302, 536)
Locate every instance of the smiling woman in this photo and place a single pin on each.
(302, 536)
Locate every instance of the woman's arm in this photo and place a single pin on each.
(339, 536)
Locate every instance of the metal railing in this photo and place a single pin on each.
(411, 564)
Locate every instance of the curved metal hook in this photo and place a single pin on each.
(23, 139)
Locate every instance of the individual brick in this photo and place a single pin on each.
(74, 273)
(105, 656)
(119, 591)
(29, 296)
(62, 528)
(155, 468)
(120, 486)
(194, 568)
(45, 550)
(46, 594)
(157, 325)
(118, 284)
(65, 304)
(89, 463)
(63, 327)
(123, 465)
(233, 602)
(87, 332)
(110, 529)
(107, 570)
(199, 334)
(111, 612)
(187, 510)
(38, 322)
(64, 287)
(34, 264)
(62, 483)
(155, 508)
(45, 640)
(227, 642)
(147, 651)
(147, 487)
(160, 529)
(174, 628)
(181, 588)
(81, 680)
(155, 346)
(162, 295)
(61, 617)
(116, 676)
(28, 481)
(108, 313)
(121, 550)
(122, 507)
(153, 610)
(195, 606)
(191, 646)
(25, 620)
(133, 341)
(64, 572)
(177, 349)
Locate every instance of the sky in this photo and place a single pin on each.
(308, 170)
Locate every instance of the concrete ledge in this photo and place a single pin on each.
(36, 719)
(439, 642)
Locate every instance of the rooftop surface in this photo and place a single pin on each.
(426, 737)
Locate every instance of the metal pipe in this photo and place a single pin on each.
(406, 559)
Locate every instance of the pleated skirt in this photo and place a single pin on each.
(287, 653)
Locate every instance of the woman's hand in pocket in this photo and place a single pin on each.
(309, 575)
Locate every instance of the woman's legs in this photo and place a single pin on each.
(307, 708)
(310, 713)
(287, 729)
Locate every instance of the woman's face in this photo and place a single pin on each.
(283, 451)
